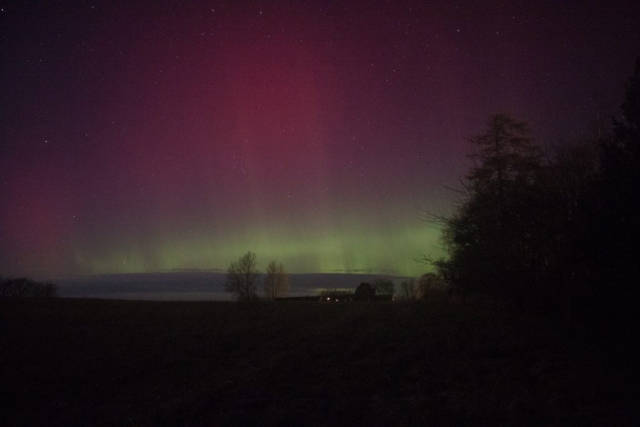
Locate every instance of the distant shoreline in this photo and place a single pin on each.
(196, 285)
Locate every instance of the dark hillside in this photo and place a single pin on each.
(100, 362)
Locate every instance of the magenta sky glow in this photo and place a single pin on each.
(146, 137)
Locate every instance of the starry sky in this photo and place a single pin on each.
(161, 136)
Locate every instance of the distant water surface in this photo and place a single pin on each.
(194, 286)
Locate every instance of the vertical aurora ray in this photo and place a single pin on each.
(352, 251)
(145, 138)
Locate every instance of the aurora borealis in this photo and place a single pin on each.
(160, 136)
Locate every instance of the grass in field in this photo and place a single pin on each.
(97, 362)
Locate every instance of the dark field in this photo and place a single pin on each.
(100, 362)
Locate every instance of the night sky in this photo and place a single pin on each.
(160, 136)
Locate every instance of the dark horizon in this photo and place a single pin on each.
(198, 286)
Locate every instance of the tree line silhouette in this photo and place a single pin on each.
(555, 232)
(243, 275)
(558, 232)
(23, 287)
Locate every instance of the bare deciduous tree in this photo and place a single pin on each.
(409, 290)
(384, 286)
(428, 283)
(276, 282)
(242, 277)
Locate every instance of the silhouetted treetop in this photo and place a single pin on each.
(505, 153)
(276, 281)
(242, 277)
(364, 292)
